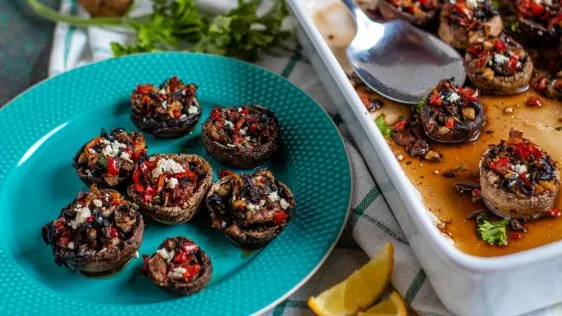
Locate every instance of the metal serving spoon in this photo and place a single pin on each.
(398, 60)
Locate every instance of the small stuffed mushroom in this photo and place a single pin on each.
(179, 266)
(539, 22)
(97, 234)
(170, 187)
(417, 12)
(499, 65)
(251, 209)
(108, 160)
(464, 20)
(172, 110)
(452, 114)
(549, 85)
(241, 137)
(518, 179)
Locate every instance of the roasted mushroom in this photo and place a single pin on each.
(499, 65)
(179, 266)
(109, 159)
(539, 21)
(251, 209)
(518, 179)
(549, 85)
(97, 234)
(170, 187)
(464, 20)
(452, 114)
(241, 137)
(418, 12)
(169, 111)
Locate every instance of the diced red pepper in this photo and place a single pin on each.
(245, 112)
(534, 102)
(112, 167)
(254, 127)
(147, 166)
(541, 84)
(117, 202)
(499, 45)
(149, 194)
(180, 257)
(499, 166)
(525, 150)
(139, 187)
(450, 123)
(224, 173)
(435, 99)
(554, 212)
(240, 123)
(279, 217)
(63, 242)
(216, 114)
(138, 153)
(474, 49)
(400, 125)
(480, 63)
(144, 89)
(191, 272)
(516, 236)
(470, 94)
(187, 174)
(512, 64)
(113, 232)
(523, 177)
(237, 139)
(90, 219)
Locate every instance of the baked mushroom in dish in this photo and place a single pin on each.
(518, 179)
(179, 266)
(171, 110)
(251, 209)
(170, 187)
(498, 65)
(418, 12)
(97, 234)
(108, 160)
(464, 20)
(452, 114)
(241, 136)
(539, 21)
(549, 85)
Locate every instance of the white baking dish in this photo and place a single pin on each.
(467, 285)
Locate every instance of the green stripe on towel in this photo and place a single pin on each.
(415, 286)
(292, 62)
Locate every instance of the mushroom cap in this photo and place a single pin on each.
(169, 128)
(458, 36)
(390, 12)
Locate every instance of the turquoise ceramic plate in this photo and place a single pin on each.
(45, 126)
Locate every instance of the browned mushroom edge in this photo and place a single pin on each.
(414, 11)
(179, 266)
(241, 137)
(465, 21)
(251, 209)
(172, 110)
(97, 234)
(108, 160)
(518, 179)
(539, 24)
(452, 114)
(499, 65)
(170, 187)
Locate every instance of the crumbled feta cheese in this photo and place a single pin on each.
(253, 207)
(105, 141)
(453, 97)
(273, 196)
(239, 109)
(166, 166)
(92, 151)
(229, 124)
(183, 116)
(172, 183)
(472, 3)
(97, 203)
(243, 132)
(193, 110)
(519, 168)
(137, 254)
(248, 138)
(162, 91)
(82, 215)
(262, 202)
(165, 254)
(284, 204)
(223, 224)
(165, 104)
(125, 156)
(112, 149)
(500, 59)
(88, 172)
(231, 145)
(177, 273)
(71, 245)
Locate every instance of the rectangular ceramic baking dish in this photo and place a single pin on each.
(467, 285)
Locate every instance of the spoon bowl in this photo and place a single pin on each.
(398, 60)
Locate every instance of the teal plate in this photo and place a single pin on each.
(44, 127)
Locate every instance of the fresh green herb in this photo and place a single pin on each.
(178, 25)
(102, 161)
(493, 233)
(417, 108)
(385, 129)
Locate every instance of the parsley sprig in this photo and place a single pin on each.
(492, 232)
(386, 130)
(179, 25)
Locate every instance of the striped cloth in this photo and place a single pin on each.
(371, 223)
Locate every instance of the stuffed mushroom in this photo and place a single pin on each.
(463, 21)
(418, 12)
(452, 114)
(179, 266)
(170, 187)
(242, 136)
(518, 179)
(549, 85)
(499, 65)
(97, 234)
(251, 209)
(171, 110)
(108, 160)
(539, 21)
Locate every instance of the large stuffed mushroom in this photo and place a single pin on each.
(179, 266)
(518, 179)
(97, 234)
(241, 136)
(418, 12)
(452, 114)
(170, 187)
(499, 65)
(539, 21)
(171, 110)
(251, 209)
(108, 160)
(464, 21)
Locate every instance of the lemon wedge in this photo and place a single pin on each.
(393, 306)
(360, 290)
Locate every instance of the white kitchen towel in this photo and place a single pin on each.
(371, 223)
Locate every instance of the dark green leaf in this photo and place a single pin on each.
(385, 129)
